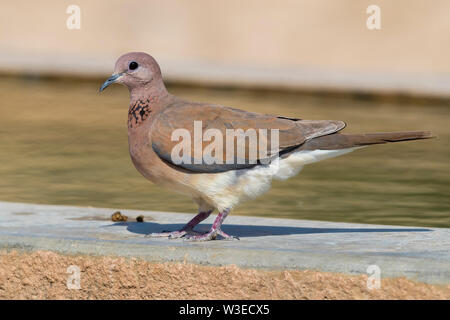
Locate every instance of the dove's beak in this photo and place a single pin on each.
(110, 80)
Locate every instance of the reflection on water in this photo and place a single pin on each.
(63, 143)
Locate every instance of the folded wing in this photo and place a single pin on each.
(206, 125)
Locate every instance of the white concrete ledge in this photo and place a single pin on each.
(418, 253)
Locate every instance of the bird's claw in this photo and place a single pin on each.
(211, 235)
(168, 234)
(174, 234)
(226, 236)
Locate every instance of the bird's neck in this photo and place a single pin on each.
(142, 103)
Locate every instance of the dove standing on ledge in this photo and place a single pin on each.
(154, 114)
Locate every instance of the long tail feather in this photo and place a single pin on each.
(342, 141)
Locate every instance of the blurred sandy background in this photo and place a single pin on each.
(43, 275)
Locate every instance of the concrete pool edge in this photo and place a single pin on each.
(416, 253)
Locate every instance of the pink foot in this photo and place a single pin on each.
(226, 236)
(173, 234)
(214, 232)
(169, 234)
(211, 235)
(187, 229)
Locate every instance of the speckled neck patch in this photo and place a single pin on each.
(140, 111)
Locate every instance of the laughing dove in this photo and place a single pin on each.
(237, 170)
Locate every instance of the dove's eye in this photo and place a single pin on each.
(133, 65)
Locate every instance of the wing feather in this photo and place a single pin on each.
(291, 132)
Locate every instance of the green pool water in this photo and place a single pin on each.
(61, 142)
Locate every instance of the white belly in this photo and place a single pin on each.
(226, 190)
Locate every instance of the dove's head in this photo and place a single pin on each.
(137, 71)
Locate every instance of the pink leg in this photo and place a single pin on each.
(215, 230)
(196, 220)
(188, 228)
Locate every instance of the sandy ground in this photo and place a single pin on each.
(44, 275)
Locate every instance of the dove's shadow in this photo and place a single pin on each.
(243, 231)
